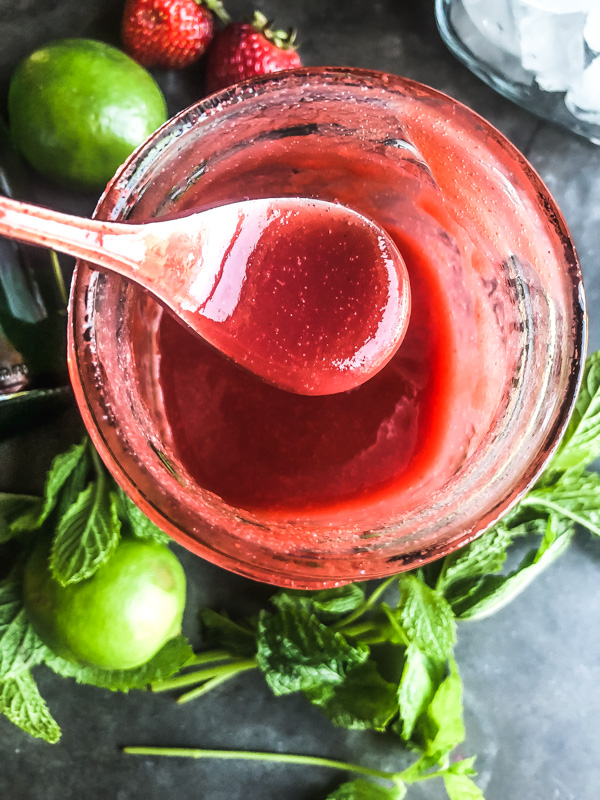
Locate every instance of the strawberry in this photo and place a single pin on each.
(169, 33)
(243, 50)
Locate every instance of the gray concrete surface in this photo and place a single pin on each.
(531, 673)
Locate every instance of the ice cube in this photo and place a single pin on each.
(552, 46)
(583, 98)
(496, 59)
(494, 19)
(591, 30)
(560, 6)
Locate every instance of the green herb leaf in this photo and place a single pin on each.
(576, 496)
(364, 701)
(172, 657)
(444, 728)
(22, 703)
(74, 485)
(19, 513)
(219, 631)
(366, 790)
(462, 767)
(297, 652)
(139, 523)
(87, 534)
(20, 647)
(461, 787)
(496, 591)
(581, 444)
(63, 466)
(420, 680)
(484, 555)
(426, 618)
(327, 604)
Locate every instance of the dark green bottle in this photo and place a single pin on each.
(33, 300)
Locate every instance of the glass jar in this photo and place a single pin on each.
(503, 305)
(542, 54)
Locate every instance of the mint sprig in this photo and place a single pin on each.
(403, 658)
(83, 512)
(382, 660)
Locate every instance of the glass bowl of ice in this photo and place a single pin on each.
(542, 54)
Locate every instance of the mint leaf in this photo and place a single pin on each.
(420, 680)
(218, 631)
(444, 728)
(426, 618)
(73, 486)
(461, 787)
(20, 647)
(87, 534)
(139, 523)
(22, 703)
(484, 555)
(462, 767)
(327, 604)
(297, 652)
(172, 657)
(364, 701)
(576, 495)
(581, 444)
(63, 466)
(366, 790)
(496, 591)
(18, 513)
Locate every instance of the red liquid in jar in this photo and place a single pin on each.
(259, 447)
(382, 448)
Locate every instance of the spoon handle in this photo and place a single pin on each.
(116, 247)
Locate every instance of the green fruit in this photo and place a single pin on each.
(78, 108)
(117, 619)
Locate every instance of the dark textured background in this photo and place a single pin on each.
(531, 673)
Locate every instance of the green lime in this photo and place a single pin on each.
(117, 619)
(78, 108)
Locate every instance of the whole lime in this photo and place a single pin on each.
(78, 108)
(116, 619)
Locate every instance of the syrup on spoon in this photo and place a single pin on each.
(309, 295)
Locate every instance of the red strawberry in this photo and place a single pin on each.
(169, 33)
(243, 50)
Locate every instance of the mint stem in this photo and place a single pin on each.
(244, 755)
(224, 674)
(397, 627)
(375, 639)
(360, 628)
(208, 656)
(201, 675)
(368, 603)
(98, 465)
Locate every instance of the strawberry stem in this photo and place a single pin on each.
(285, 40)
(217, 8)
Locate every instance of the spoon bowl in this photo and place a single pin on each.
(309, 295)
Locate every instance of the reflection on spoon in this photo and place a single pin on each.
(308, 295)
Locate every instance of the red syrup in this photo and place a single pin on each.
(314, 299)
(264, 449)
